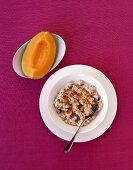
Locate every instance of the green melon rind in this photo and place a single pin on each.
(22, 59)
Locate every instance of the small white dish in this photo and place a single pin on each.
(61, 48)
(90, 75)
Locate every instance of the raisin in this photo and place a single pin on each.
(78, 118)
(94, 107)
(79, 106)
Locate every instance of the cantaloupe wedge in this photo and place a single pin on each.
(39, 55)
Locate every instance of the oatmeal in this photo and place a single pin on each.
(77, 100)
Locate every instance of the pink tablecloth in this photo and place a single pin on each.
(98, 33)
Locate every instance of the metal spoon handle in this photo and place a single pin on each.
(69, 145)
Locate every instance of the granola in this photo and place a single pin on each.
(76, 100)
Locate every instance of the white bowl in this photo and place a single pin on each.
(104, 87)
(56, 86)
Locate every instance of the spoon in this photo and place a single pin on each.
(70, 143)
(61, 48)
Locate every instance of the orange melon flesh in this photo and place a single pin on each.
(39, 55)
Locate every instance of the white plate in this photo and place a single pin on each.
(104, 87)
